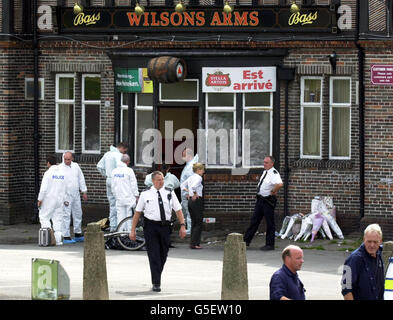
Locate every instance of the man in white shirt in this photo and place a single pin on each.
(105, 166)
(188, 157)
(157, 203)
(75, 182)
(51, 199)
(125, 189)
(268, 186)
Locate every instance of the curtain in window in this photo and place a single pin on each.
(92, 127)
(341, 91)
(220, 140)
(340, 132)
(259, 125)
(311, 131)
(66, 127)
(124, 132)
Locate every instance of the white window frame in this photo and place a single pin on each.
(186, 100)
(89, 102)
(257, 109)
(41, 92)
(221, 109)
(122, 108)
(63, 101)
(314, 105)
(339, 105)
(139, 108)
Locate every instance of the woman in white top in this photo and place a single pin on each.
(195, 203)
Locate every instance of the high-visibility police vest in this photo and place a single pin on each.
(389, 281)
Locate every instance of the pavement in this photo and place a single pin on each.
(188, 274)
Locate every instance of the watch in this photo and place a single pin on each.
(182, 224)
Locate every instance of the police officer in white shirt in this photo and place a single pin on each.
(157, 203)
(268, 186)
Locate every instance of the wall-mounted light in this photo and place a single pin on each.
(227, 7)
(294, 7)
(333, 60)
(139, 9)
(77, 8)
(180, 7)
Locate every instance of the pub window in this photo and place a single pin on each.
(221, 136)
(340, 118)
(65, 108)
(184, 91)
(311, 117)
(124, 118)
(29, 88)
(258, 119)
(143, 121)
(91, 101)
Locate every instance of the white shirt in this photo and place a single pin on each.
(187, 172)
(272, 178)
(193, 184)
(124, 185)
(109, 162)
(74, 178)
(148, 203)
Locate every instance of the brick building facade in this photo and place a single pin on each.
(330, 129)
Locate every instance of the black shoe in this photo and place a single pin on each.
(247, 244)
(156, 288)
(171, 246)
(78, 235)
(267, 248)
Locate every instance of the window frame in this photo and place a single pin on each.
(177, 100)
(41, 95)
(256, 109)
(63, 101)
(310, 105)
(339, 105)
(216, 109)
(136, 109)
(89, 102)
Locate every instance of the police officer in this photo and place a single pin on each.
(157, 203)
(268, 186)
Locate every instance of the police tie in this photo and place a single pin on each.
(260, 183)
(162, 210)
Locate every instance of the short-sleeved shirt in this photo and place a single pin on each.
(286, 283)
(272, 178)
(148, 203)
(364, 275)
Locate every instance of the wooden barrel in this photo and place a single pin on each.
(166, 69)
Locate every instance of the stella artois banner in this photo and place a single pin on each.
(252, 79)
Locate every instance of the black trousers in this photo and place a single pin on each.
(262, 209)
(157, 245)
(196, 213)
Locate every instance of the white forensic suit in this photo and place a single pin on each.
(52, 194)
(125, 190)
(185, 174)
(105, 166)
(75, 182)
(170, 181)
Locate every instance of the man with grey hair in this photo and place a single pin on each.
(285, 283)
(75, 182)
(363, 274)
(125, 190)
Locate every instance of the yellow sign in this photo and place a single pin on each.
(86, 19)
(147, 84)
(298, 18)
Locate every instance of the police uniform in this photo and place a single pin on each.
(264, 207)
(157, 231)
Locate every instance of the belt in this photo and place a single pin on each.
(161, 223)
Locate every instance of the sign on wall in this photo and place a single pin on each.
(382, 74)
(133, 80)
(248, 19)
(252, 79)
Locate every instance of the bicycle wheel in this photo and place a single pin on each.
(124, 240)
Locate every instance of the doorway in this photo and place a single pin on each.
(170, 121)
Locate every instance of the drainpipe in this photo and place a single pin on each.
(361, 114)
(286, 179)
(36, 136)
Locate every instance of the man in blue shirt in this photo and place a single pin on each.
(285, 283)
(363, 274)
